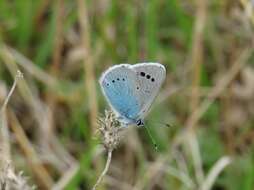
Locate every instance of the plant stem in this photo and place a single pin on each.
(104, 171)
(19, 75)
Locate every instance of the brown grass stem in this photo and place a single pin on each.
(40, 113)
(58, 43)
(31, 68)
(198, 112)
(4, 131)
(197, 60)
(219, 88)
(54, 69)
(88, 62)
(197, 52)
(17, 77)
(41, 174)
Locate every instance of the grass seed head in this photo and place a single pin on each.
(110, 129)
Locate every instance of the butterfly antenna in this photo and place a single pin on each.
(152, 139)
(165, 124)
(162, 123)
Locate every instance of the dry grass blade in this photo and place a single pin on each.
(67, 176)
(31, 68)
(44, 179)
(118, 184)
(154, 171)
(5, 137)
(8, 178)
(193, 145)
(58, 43)
(88, 62)
(218, 88)
(17, 77)
(214, 172)
(41, 114)
(197, 50)
(249, 9)
(180, 175)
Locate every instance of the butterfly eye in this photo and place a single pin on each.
(152, 80)
(142, 74)
(113, 81)
(148, 76)
(123, 79)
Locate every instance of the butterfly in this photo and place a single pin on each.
(131, 89)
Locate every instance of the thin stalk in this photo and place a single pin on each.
(88, 62)
(104, 171)
(18, 76)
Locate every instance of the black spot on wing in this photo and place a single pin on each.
(142, 74)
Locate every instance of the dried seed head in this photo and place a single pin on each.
(10, 180)
(110, 129)
(19, 74)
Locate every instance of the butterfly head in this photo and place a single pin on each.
(140, 123)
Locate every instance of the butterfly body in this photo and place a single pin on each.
(131, 89)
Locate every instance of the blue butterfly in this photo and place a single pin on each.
(131, 89)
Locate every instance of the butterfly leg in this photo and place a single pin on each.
(124, 122)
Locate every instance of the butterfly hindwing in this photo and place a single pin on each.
(118, 85)
(150, 77)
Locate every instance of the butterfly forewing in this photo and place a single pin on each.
(117, 85)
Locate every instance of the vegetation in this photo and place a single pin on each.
(49, 129)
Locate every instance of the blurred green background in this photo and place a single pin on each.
(48, 130)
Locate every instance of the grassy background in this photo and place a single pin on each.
(62, 47)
